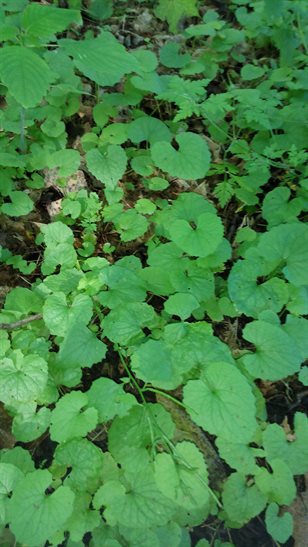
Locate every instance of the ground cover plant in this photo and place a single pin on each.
(154, 286)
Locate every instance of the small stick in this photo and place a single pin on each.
(21, 323)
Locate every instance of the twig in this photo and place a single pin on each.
(21, 323)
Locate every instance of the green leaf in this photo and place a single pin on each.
(191, 161)
(131, 225)
(59, 240)
(287, 246)
(82, 462)
(170, 57)
(148, 129)
(10, 475)
(200, 240)
(241, 502)
(22, 378)
(59, 315)
(251, 72)
(67, 161)
(250, 296)
(181, 304)
(108, 167)
(183, 477)
(124, 283)
(278, 486)
(29, 425)
(124, 324)
(277, 208)
(100, 10)
(19, 457)
(138, 504)
(239, 456)
(174, 10)
(23, 301)
(139, 427)
(109, 399)
(82, 520)
(34, 516)
(10, 160)
(20, 205)
(220, 401)
(80, 348)
(103, 59)
(25, 74)
(294, 452)
(69, 419)
(45, 21)
(276, 356)
(303, 376)
(152, 362)
(280, 528)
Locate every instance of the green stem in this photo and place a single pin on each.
(22, 131)
(153, 390)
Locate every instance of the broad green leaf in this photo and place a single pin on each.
(59, 315)
(23, 300)
(277, 208)
(100, 10)
(22, 378)
(11, 160)
(45, 21)
(277, 355)
(80, 348)
(131, 225)
(251, 72)
(148, 129)
(20, 205)
(170, 57)
(222, 403)
(152, 362)
(81, 462)
(34, 516)
(294, 452)
(181, 304)
(239, 456)
(139, 428)
(70, 419)
(183, 477)
(57, 232)
(287, 246)
(10, 475)
(278, 486)
(30, 425)
(124, 324)
(174, 10)
(191, 161)
(59, 240)
(109, 399)
(107, 167)
(138, 504)
(200, 240)
(82, 520)
(19, 457)
(303, 376)
(67, 162)
(124, 284)
(25, 74)
(297, 329)
(251, 297)
(241, 501)
(279, 527)
(103, 59)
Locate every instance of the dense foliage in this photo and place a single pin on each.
(175, 280)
